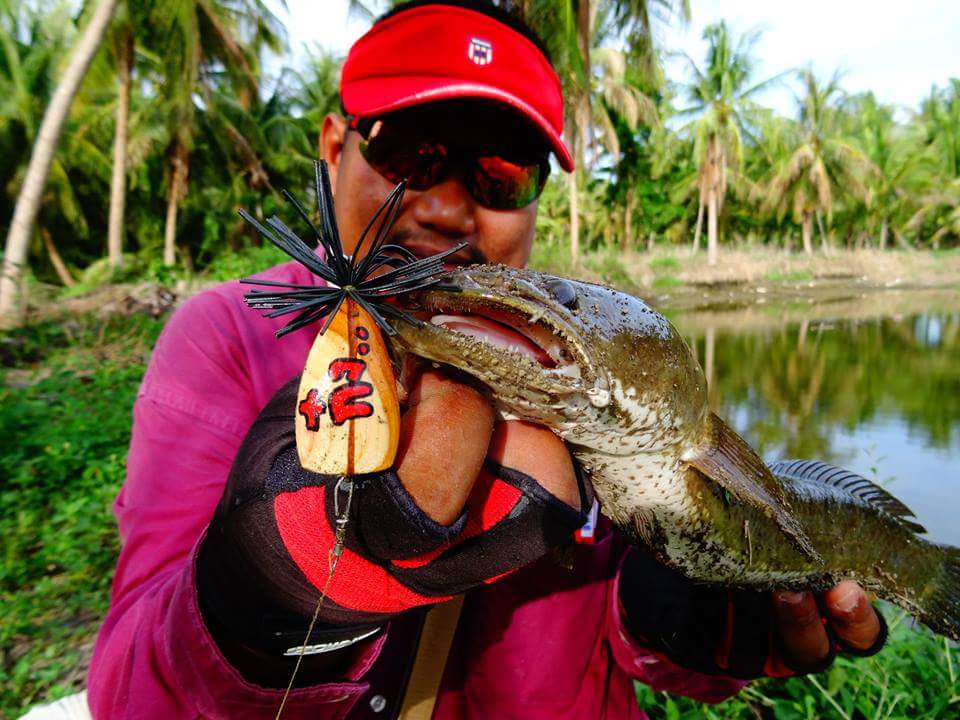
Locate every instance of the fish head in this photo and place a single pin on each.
(599, 367)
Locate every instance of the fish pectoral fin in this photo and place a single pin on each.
(727, 460)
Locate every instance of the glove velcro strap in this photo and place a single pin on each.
(508, 522)
(385, 521)
(301, 518)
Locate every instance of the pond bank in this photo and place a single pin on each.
(669, 278)
(816, 284)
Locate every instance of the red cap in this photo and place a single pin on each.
(439, 52)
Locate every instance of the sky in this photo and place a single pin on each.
(897, 49)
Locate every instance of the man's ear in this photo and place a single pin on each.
(330, 145)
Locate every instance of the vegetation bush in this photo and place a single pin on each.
(66, 393)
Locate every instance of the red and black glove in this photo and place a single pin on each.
(266, 556)
(713, 630)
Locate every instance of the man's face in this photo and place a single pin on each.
(434, 219)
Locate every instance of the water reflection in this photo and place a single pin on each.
(879, 395)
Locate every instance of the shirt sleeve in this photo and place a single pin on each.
(655, 669)
(154, 657)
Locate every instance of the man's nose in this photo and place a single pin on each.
(447, 209)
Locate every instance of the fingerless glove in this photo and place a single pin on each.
(266, 557)
(713, 630)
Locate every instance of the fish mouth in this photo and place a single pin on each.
(515, 339)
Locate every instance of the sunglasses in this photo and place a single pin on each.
(504, 180)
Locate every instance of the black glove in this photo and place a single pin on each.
(267, 552)
(710, 629)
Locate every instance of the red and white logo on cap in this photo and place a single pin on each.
(480, 51)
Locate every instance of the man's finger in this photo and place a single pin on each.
(444, 436)
(805, 640)
(536, 451)
(851, 615)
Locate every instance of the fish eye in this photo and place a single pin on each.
(563, 292)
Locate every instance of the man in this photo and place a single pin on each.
(208, 617)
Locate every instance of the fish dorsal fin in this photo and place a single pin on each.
(856, 486)
(726, 459)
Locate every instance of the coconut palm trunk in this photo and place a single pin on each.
(48, 137)
(179, 168)
(712, 229)
(628, 221)
(59, 266)
(807, 228)
(716, 166)
(824, 241)
(118, 180)
(699, 228)
(574, 219)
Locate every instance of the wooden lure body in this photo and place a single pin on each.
(348, 413)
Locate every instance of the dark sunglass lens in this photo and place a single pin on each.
(503, 185)
(397, 156)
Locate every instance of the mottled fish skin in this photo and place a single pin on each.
(630, 400)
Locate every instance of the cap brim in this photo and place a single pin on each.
(373, 96)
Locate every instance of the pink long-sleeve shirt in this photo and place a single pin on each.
(545, 642)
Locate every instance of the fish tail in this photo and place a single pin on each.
(940, 606)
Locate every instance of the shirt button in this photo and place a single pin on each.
(378, 703)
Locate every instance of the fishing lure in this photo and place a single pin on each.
(347, 415)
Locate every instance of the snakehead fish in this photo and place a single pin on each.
(616, 381)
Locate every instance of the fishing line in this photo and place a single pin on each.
(333, 559)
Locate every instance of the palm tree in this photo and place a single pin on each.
(48, 137)
(939, 200)
(32, 46)
(600, 81)
(316, 90)
(940, 118)
(123, 52)
(721, 94)
(894, 153)
(201, 44)
(939, 208)
(821, 164)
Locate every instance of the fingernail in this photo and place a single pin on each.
(846, 597)
(789, 597)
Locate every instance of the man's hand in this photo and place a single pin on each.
(469, 499)
(744, 633)
(447, 433)
(849, 615)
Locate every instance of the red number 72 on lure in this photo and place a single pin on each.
(347, 415)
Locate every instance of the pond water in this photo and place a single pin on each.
(878, 394)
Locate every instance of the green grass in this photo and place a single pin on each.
(227, 265)
(664, 264)
(915, 676)
(66, 392)
(608, 264)
(793, 276)
(665, 282)
(250, 260)
(550, 256)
